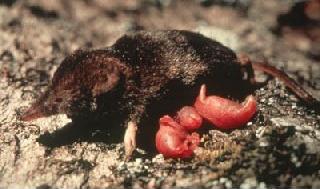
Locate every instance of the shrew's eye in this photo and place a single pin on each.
(59, 99)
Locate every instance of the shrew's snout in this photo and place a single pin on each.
(41, 108)
(34, 112)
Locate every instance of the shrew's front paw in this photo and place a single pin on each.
(130, 140)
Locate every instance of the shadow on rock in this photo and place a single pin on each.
(79, 131)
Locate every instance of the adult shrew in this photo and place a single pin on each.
(144, 67)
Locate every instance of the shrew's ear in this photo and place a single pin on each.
(105, 76)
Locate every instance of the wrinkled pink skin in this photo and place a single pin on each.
(173, 141)
(224, 113)
(189, 118)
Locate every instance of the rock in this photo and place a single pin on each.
(249, 183)
(224, 36)
(287, 122)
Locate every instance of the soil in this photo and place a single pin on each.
(280, 147)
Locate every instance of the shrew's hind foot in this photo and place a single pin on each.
(130, 139)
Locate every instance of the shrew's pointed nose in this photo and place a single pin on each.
(34, 112)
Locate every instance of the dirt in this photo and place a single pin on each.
(280, 147)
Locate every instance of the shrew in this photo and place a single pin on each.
(146, 69)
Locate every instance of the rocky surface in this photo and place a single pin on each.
(280, 147)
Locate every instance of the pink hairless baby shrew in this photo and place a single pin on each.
(172, 140)
(166, 68)
(224, 113)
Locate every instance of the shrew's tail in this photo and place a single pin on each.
(290, 83)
